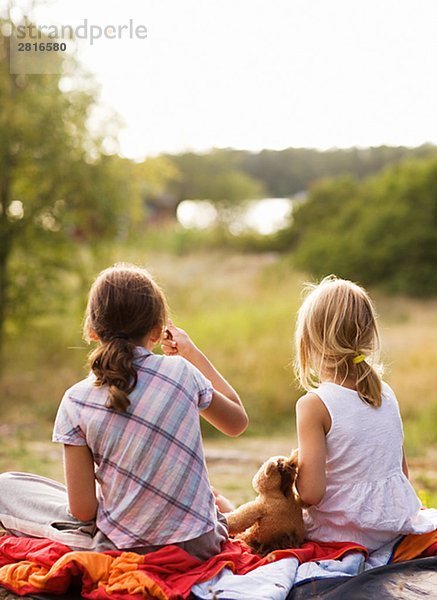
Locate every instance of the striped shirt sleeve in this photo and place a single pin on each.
(202, 387)
(67, 429)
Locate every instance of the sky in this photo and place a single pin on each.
(259, 74)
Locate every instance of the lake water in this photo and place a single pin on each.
(262, 216)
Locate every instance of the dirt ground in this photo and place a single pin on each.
(232, 462)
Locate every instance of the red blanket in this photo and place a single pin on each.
(32, 566)
(29, 566)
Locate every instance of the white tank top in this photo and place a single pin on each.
(368, 498)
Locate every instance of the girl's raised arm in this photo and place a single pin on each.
(226, 411)
(227, 415)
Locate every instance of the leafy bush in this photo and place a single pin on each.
(382, 231)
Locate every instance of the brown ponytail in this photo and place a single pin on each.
(112, 364)
(125, 306)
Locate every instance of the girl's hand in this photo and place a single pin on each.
(177, 341)
(223, 504)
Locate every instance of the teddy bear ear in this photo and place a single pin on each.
(270, 467)
(294, 457)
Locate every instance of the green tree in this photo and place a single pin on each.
(58, 188)
(382, 231)
(403, 236)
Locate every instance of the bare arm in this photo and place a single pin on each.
(312, 420)
(405, 465)
(227, 416)
(80, 480)
(226, 411)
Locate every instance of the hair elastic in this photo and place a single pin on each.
(119, 336)
(358, 359)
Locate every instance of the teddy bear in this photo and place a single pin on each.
(274, 519)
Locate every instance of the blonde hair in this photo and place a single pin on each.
(335, 325)
(124, 306)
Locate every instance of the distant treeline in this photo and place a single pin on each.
(232, 175)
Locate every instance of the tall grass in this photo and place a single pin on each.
(240, 309)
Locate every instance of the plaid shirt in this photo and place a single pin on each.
(149, 461)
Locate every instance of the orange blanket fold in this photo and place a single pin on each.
(415, 546)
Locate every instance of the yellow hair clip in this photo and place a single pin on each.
(358, 359)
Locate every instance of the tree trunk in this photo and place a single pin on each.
(5, 250)
(6, 168)
(3, 296)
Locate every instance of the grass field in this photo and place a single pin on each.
(240, 309)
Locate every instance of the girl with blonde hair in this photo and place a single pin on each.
(353, 475)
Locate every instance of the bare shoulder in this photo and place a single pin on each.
(311, 408)
(309, 402)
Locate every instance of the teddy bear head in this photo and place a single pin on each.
(277, 474)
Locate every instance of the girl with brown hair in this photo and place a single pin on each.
(133, 456)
